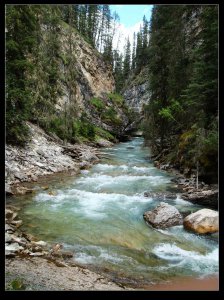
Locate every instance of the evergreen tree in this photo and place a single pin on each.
(118, 71)
(183, 61)
(139, 51)
(133, 62)
(127, 59)
(21, 25)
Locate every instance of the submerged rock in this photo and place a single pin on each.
(163, 216)
(203, 221)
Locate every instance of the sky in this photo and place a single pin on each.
(130, 20)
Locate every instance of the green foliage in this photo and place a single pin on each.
(87, 130)
(98, 103)
(83, 128)
(166, 113)
(110, 116)
(171, 111)
(57, 125)
(116, 98)
(104, 134)
(38, 68)
(22, 26)
(79, 128)
(17, 284)
(183, 74)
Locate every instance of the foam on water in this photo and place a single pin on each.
(90, 204)
(100, 216)
(142, 169)
(100, 254)
(105, 167)
(101, 179)
(182, 202)
(178, 257)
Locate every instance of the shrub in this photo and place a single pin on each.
(97, 103)
(116, 98)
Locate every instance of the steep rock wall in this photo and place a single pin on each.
(136, 91)
(94, 76)
(136, 96)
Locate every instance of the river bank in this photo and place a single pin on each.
(114, 173)
(41, 275)
(33, 265)
(201, 193)
(36, 265)
(43, 156)
(46, 155)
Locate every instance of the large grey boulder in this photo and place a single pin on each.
(163, 216)
(202, 221)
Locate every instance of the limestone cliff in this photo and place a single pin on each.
(84, 77)
(94, 76)
(85, 86)
(136, 92)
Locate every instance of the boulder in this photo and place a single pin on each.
(163, 216)
(103, 143)
(14, 247)
(205, 197)
(203, 221)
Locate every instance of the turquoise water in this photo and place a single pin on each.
(98, 216)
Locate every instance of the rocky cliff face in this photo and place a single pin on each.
(136, 92)
(84, 76)
(136, 96)
(93, 76)
(44, 155)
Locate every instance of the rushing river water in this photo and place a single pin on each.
(99, 216)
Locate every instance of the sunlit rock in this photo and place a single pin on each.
(203, 221)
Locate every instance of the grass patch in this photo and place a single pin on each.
(101, 133)
(116, 99)
(97, 103)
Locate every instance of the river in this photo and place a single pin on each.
(99, 216)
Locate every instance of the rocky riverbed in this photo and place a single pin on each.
(204, 194)
(35, 265)
(45, 155)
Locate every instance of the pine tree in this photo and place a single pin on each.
(183, 63)
(21, 24)
(127, 59)
(118, 71)
(139, 51)
(133, 59)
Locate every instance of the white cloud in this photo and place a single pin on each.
(121, 35)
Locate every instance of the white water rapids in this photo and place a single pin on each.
(99, 216)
